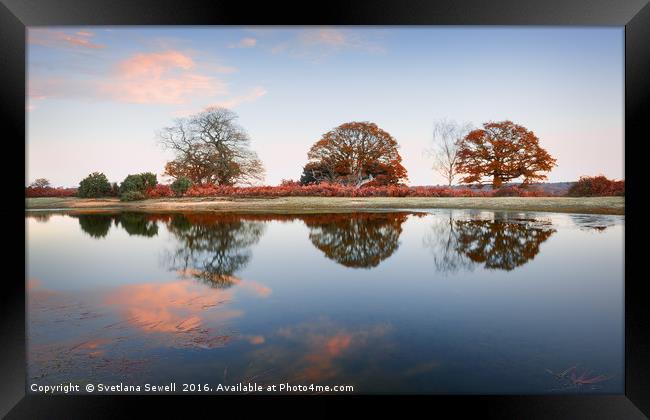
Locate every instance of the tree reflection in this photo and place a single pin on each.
(95, 225)
(39, 216)
(501, 242)
(139, 224)
(212, 249)
(442, 240)
(357, 240)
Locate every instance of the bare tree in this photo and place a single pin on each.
(444, 151)
(40, 183)
(210, 147)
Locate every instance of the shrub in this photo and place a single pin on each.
(138, 182)
(596, 186)
(132, 196)
(159, 191)
(181, 185)
(94, 185)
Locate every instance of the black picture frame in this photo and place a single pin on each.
(634, 15)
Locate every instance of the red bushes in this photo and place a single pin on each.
(585, 187)
(513, 191)
(331, 190)
(159, 191)
(50, 192)
(596, 186)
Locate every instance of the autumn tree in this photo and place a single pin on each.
(447, 136)
(210, 147)
(355, 153)
(502, 151)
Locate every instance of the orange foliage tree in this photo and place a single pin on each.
(355, 153)
(502, 151)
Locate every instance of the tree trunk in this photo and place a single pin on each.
(496, 182)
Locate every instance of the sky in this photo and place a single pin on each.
(96, 96)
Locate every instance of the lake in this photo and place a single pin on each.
(433, 302)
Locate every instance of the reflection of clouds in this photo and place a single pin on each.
(183, 310)
(85, 335)
(316, 351)
(256, 339)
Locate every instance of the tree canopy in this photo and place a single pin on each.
(40, 183)
(94, 185)
(210, 147)
(355, 153)
(500, 152)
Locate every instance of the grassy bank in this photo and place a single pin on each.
(592, 205)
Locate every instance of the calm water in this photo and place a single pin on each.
(447, 301)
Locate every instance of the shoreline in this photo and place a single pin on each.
(586, 205)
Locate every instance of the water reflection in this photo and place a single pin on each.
(112, 328)
(138, 224)
(442, 240)
(95, 225)
(317, 350)
(358, 240)
(181, 312)
(214, 246)
(251, 316)
(593, 222)
(499, 241)
(212, 249)
(40, 216)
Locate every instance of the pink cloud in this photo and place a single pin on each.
(61, 39)
(253, 95)
(330, 37)
(244, 43)
(232, 102)
(163, 77)
(317, 43)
